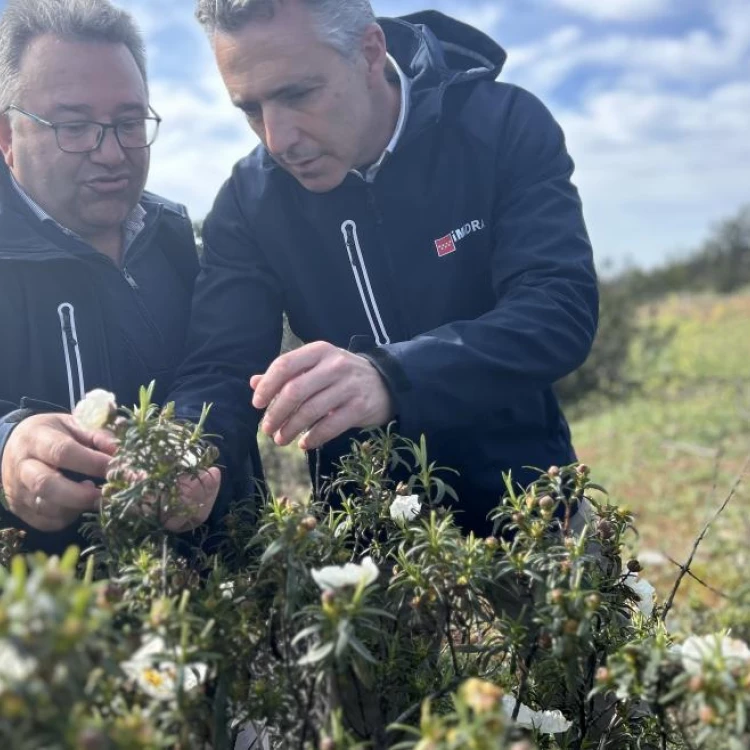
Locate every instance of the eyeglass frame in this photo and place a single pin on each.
(104, 127)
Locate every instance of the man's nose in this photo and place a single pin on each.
(110, 151)
(281, 133)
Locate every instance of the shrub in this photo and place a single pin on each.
(361, 618)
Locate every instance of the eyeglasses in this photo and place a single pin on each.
(84, 136)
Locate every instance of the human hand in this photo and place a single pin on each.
(322, 389)
(38, 450)
(197, 497)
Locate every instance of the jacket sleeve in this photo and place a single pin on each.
(545, 317)
(7, 423)
(235, 332)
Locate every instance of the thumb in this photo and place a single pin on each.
(104, 441)
(100, 440)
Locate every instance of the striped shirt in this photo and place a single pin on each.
(133, 225)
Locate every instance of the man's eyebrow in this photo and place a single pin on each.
(281, 91)
(86, 111)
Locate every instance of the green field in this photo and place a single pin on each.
(673, 452)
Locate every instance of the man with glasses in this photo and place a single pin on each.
(96, 275)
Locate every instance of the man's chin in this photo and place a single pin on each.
(321, 183)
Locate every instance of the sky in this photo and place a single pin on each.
(653, 96)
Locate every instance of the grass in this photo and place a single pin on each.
(673, 452)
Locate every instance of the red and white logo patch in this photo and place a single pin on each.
(445, 245)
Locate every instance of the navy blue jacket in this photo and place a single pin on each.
(464, 270)
(73, 321)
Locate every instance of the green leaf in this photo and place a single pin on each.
(316, 654)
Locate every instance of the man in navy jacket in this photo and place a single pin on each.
(416, 221)
(96, 276)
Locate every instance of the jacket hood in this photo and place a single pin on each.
(435, 49)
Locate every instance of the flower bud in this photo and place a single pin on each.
(92, 739)
(605, 529)
(491, 542)
(583, 470)
(327, 743)
(593, 602)
(518, 518)
(402, 488)
(706, 714)
(697, 683)
(556, 596)
(634, 566)
(547, 503)
(309, 523)
(553, 471)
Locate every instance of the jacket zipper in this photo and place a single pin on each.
(133, 283)
(362, 278)
(72, 351)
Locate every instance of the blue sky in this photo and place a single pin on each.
(654, 97)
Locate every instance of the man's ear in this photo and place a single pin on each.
(6, 140)
(374, 51)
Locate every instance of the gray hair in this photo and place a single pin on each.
(71, 20)
(341, 23)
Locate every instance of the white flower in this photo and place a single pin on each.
(697, 649)
(157, 677)
(227, 589)
(14, 666)
(546, 722)
(351, 574)
(405, 508)
(95, 409)
(644, 591)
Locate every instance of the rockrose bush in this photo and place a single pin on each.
(359, 617)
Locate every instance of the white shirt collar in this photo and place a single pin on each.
(405, 83)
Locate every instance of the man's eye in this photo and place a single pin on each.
(131, 127)
(75, 129)
(297, 96)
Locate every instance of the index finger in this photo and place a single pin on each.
(65, 452)
(282, 370)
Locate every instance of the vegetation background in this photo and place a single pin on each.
(661, 412)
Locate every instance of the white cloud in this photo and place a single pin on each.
(657, 128)
(201, 139)
(485, 16)
(616, 10)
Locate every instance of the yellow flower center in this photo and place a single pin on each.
(153, 677)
